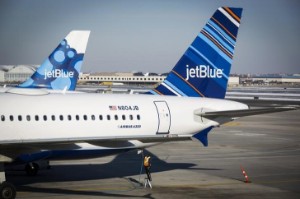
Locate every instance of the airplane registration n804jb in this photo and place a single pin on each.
(188, 104)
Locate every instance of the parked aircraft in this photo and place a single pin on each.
(187, 105)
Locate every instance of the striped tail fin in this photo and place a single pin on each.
(204, 69)
(61, 69)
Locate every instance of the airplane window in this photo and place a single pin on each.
(123, 117)
(53, 117)
(93, 117)
(131, 117)
(45, 117)
(69, 117)
(100, 117)
(2, 118)
(138, 117)
(36, 118)
(77, 117)
(61, 117)
(28, 117)
(108, 117)
(11, 117)
(20, 117)
(84, 117)
(116, 117)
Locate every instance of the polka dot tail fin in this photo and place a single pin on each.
(61, 68)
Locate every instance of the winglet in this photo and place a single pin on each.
(61, 69)
(202, 136)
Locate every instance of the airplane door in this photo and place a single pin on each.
(164, 117)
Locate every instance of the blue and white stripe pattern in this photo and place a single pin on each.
(209, 54)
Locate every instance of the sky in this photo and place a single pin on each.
(148, 36)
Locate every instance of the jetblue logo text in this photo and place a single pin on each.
(58, 73)
(202, 71)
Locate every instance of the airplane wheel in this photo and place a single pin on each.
(32, 170)
(7, 191)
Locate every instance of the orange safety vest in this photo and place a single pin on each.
(147, 161)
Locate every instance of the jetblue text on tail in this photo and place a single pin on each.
(58, 73)
(202, 71)
(204, 68)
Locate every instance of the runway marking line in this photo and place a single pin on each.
(28, 194)
(278, 181)
(232, 183)
(232, 124)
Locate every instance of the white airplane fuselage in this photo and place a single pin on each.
(56, 116)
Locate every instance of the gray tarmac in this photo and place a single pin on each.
(266, 146)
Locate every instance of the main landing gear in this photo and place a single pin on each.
(7, 190)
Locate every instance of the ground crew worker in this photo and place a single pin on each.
(147, 166)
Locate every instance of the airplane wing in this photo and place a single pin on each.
(49, 143)
(10, 149)
(242, 113)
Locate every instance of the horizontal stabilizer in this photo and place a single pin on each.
(242, 113)
(20, 91)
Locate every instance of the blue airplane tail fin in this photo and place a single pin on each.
(61, 69)
(204, 69)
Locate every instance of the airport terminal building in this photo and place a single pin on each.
(133, 79)
(121, 78)
(16, 73)
(271, 80)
